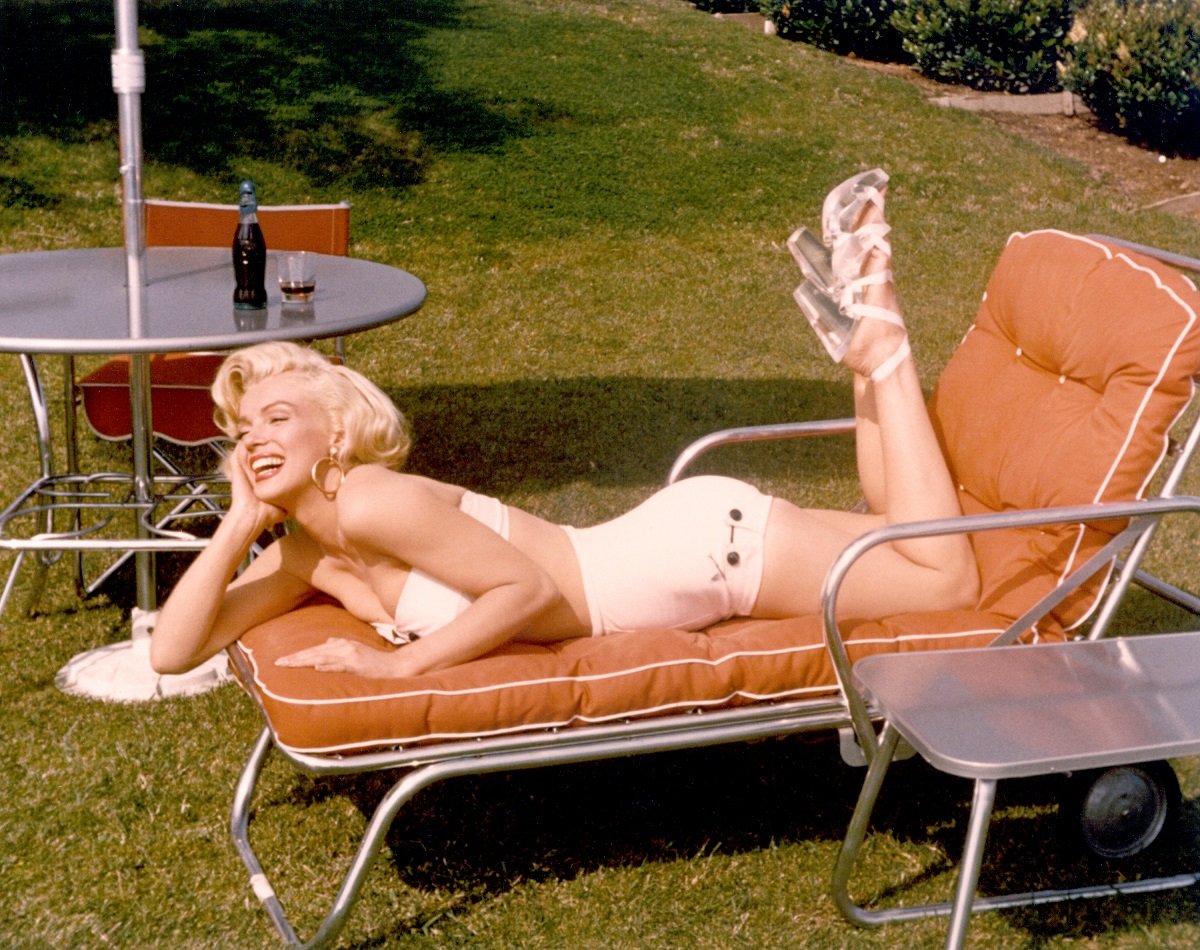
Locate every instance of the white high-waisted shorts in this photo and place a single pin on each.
(687, 557)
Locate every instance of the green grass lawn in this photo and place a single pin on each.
(597, 196)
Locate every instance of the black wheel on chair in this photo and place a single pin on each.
(1123, 811)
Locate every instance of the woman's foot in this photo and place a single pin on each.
(879, 343)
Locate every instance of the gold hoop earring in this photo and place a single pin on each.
(332, 461)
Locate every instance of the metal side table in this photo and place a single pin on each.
(1009, 712)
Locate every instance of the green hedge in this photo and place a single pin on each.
(1136, 64)
(1008, 45)
(861, 27)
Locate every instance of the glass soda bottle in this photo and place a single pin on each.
(249, 254)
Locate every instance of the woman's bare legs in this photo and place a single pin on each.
(868, 446)
(904, 478)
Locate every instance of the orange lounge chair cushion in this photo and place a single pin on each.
(525, 686)
(1063, 392)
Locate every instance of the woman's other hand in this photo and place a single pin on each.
(336, 655)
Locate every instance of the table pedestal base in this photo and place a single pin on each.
(121, 672)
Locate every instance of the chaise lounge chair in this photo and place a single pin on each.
(1054, 414)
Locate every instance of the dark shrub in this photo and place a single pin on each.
(1008, 45)
(1136, 65)
(861, 27)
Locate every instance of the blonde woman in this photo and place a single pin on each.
(451, 575)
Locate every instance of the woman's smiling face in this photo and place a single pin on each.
(282, 432)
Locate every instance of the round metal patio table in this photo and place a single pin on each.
(76, 303)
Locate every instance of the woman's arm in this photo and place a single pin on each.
(206, 612)
(429, 533)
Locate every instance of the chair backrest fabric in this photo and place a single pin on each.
(324, 228)
(1080, 360)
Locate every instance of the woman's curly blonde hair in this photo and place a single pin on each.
(374, 430)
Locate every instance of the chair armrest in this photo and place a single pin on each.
(1181, 261)
(763, 433)
(1144, 514)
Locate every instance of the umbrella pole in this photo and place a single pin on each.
(122, 671)
(129, 81)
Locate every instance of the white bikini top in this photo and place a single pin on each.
(426, 604)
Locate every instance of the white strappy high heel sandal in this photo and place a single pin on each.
(832, 297)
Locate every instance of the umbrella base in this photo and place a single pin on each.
(121, 672)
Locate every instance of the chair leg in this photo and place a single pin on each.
(11, 581)
(857, 831)
(968, 873)
(196, 494)
(239, 822)
(368, 850)
(409, 784)
(41, 566)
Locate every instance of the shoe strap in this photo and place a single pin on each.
(870, 195)
(892, 363)
(841, 221)
(871, 280)
(851, 249)
(874, 236)
(852, 210)
(872, 312)
(851, 290)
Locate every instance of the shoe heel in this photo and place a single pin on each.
(833, 327)
(814, 258)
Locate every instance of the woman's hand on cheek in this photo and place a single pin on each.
(342, 656)
(242, 491)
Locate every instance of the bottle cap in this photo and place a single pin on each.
(247, 196)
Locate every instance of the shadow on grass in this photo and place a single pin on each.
(613, 431)
(1032, 844)
(335, 89)
(482, 835)
(479, 837)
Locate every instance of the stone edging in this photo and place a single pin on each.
(1187, 205)
(755, 21)
(1049, 103)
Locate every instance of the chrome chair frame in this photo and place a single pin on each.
(845, 711)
